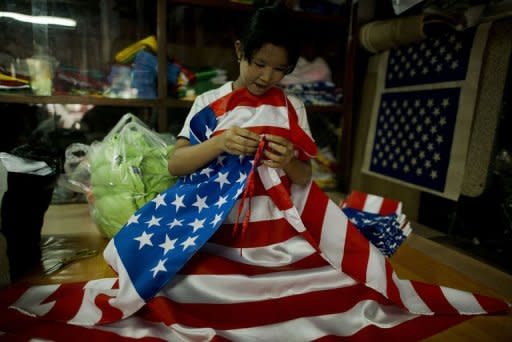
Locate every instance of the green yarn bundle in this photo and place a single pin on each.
(128, 169)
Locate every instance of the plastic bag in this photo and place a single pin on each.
(121, 173)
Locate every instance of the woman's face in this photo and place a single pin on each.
(268, 66)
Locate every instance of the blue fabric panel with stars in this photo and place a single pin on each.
(437, 59)
(414, 135)
(383, 231)
(164, 234)
(204, 118)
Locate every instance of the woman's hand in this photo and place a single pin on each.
(279, 152)
(239, 141)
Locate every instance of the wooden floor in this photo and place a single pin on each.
(419, 259)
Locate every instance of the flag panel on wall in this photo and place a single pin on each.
(423, 109)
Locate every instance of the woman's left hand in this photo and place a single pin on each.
(279, 151)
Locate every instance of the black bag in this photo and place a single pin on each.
(23, 207)
(24, 204)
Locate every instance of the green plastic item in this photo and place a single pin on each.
(128, 169)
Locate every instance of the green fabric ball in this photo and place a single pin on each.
(158, 183)
(128, 169)
(155, 173)
(155, 162)
(118, 178)
(110, 213)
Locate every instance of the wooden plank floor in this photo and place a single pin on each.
(419, 259)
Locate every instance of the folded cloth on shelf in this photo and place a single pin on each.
(12, 83)
(315, 93)
(285, 261)
(127, 54)
(305, 72)
(70, 80)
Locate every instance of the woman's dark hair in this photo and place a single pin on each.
(271, 24)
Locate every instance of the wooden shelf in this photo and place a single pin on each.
(236, 6)
(76, 99)
(220, 4)
(177, 103)
(105, 101)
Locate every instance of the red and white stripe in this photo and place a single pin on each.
(345, 248)
(262, 116)
(271, 114)
(95, 302)
(279, 287)
(377, 205)
(300, 272)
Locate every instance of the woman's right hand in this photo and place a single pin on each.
(239, 141)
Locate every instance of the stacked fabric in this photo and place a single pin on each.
(311, 82)
(315, 93)
(73, 81)
(136, 74)
(195, 82)
(12, 82)
(14, 74)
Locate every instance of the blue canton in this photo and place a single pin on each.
(164, 234)
(414, 134)
(433, 60)
(383, 231)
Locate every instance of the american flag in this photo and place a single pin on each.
(423, 118)
(438, 59)
(300, 271)
(386, 228)
(414, 136)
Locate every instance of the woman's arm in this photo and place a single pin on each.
(299, 171)
(187, 158)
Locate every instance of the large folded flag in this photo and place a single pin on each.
(379, 219)
(298, 271)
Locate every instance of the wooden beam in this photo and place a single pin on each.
(161, 36)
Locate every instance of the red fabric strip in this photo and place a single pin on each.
(243, 97)
(257, 236)
(356, 200)
(250, 314)
(203, 263)
(299, 137)
(259, 189)
(314, 211)
(492, 304)
(12, 293)
(249, 190)
(280, 196)
(356, 254)
(68, 299)
(434, 298)
(415, 329)
(21, 327)
(108, 312)
(388, 207)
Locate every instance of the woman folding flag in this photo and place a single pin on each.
(245, 247)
